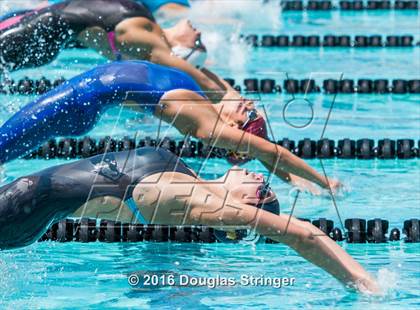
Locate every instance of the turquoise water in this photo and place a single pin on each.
(94, 275)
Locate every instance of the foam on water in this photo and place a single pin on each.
(388, 280)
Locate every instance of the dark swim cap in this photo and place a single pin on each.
(273, 207)
(255, 127)
(246, 235)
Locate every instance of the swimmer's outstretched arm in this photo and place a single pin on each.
(185, 200)
(276, 158)
(311, 243)
(202, 122)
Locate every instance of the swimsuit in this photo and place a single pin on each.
(35, 38)
(111, 41)
(30, 204)
(74, 107)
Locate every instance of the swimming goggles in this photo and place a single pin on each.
(198, 45)
(264, 190)
(252, 115)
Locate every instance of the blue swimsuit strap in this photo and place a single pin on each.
(131, 204)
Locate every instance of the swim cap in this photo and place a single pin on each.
(256, 127)
(249, 235)
(195, 56)
(273, 207)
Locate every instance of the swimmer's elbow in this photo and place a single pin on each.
(210, 85)
(282, 154)
(213, 90)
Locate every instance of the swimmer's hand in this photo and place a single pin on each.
(309, 187)
(305, 185)
(368, 286)
(335, 185)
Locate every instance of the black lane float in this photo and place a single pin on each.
(91, 230)
(70, 148)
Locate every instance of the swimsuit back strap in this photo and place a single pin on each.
(111, 41)
(133, 208)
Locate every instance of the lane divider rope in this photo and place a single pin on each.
(348, 5)
(90, 230)
(27, 86)
(70, 148)
(329, 40)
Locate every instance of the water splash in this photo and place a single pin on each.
(8, 5)
(388, 281)
(19, 274)
(232, 12)
(223, 21)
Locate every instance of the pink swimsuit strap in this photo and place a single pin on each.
(15, 19)
(111, 41)
(10, 21)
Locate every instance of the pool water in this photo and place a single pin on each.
(72, 275)
(50, 275)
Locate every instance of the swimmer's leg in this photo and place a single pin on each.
(36, 40)
(60, 112)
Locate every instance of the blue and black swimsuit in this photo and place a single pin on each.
(32, 38)
(73, 108)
